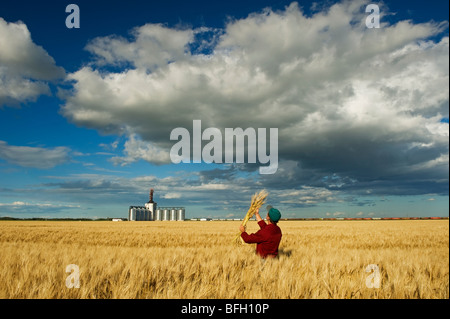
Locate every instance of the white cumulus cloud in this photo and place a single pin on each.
(37, 157)
(362, 104)
(25, 67)
(136, 149)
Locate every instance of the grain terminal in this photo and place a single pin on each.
(150, 212)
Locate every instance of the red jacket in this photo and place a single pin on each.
(267, 239)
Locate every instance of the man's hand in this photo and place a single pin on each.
(258, 216)
(242, 228)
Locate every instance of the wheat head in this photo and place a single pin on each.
(258, 199)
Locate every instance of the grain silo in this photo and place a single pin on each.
(138, 214)
(142, 213)
(150, 212)
(132, 213)
(173, 214)
(166, 214)
(180, 214)
(158, 214)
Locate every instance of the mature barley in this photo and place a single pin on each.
(258, 199)
(318, 259)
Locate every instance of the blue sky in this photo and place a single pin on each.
(86, 114)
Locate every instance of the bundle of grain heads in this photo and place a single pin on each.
(258, 199)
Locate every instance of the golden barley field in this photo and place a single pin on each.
(177, 260)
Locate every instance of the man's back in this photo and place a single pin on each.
(267, 239)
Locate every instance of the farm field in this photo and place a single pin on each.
(318, 259)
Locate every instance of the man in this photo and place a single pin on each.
(268, 238)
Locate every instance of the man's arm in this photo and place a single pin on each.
(255, 238)
(258, 219)
(261, 223)
(258, 216)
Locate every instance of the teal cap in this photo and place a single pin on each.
(274, 214)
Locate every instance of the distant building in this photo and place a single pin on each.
(150, 212)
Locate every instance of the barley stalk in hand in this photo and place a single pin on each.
(258, 199)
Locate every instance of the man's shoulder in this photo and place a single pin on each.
(262, 223)
(275, 228)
